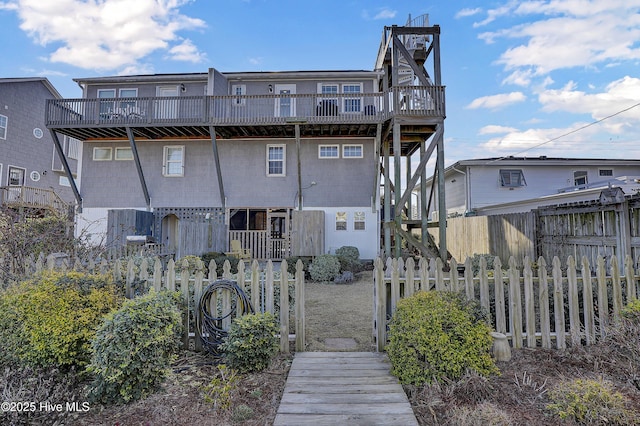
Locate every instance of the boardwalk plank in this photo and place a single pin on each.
(344, 419)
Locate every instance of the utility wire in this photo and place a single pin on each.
(569, 133)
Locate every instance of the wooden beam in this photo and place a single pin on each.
(414, 30)
(426, 250)
(67, 169)
(136, 159)
(297, 132)
(216, 159)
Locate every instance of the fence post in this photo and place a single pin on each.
(380, 304)
(439, 275)
(284, 308)
(157, 275)
(603, 299)
(501, 320)
(197, 294)
(300, 321)
(255, 287)
(484, 285)
(529, 305)
(515, 304)
(130, 278)
(574, 306)
(630, 278)
(454, 282)
(617, 287)
(269, 288)
(395, 284)
(558, 304)
(468, 280)
(543, 299)
(185, 275)
(170, 276)
(587, 301)
(409, 284)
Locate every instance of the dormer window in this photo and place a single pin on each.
(512, 178)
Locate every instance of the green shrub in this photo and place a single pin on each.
(219, 259)
(631, 312)
(291, 265)
(590, 402)
(195, 263)
(222, 388)
(51, 319)
(435, 336)
(251, 343)
(134, 347)
(324, 268)
(349, 258)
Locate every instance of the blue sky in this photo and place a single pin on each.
(538, 77)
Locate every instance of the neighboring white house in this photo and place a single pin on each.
(519, 184)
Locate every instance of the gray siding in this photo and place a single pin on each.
(339, 182)
(23, 103)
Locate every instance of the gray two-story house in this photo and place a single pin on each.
(32, 178)
(288, 163)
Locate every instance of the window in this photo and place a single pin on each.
(124, 153)
(580, 178)
(38, 133)
(16, 176)
(328, 102)
(358, 221)
(64, 181)
(73, 147)
(352, 104)
(107, 107)
(341, 221)
(173, 161)
(3, 126)
(128, 106)
(328, 151)
(605, 172)
(101, 154)
(512, 178)
(239, 90)
(276, 160)
(351, 151)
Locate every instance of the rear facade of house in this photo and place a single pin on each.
(31, 173)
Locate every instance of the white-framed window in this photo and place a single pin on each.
(3, 126)
(64, 181)
(101, 153)
(239, 90)
(358, 221)
(352, 104)
(328, 151)
(605, 172)
(580, 178)
(73, 147)
(107, 106)
(123, 153)
(16, 176)
(341, 221)
(512, 178)
(128, 106)
(352, 151)
(328, 100)
(173, 161)
(276, 160)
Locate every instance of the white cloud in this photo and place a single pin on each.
(109, 34)
(493, 14)
(493, 129)
(255, 60)
(186, 51)
(468, 12)
(573, 33)
(519, 78)
(497, 101)
(385, 14)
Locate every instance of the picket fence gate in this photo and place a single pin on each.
(559, 303)
(260, 285)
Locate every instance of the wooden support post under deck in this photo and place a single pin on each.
(397, 166)
(297, 131)
(442, 208)
(387, 200)
(410, 189)
(424, 211)
(216, 160)
(67, 169)
(136, 159)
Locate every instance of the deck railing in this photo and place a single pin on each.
(26, 196)
(427, 101)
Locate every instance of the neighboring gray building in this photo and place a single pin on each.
(289, 163)
(487, 186)
(31, 172)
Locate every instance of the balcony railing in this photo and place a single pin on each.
(416, 101)
(26, 196)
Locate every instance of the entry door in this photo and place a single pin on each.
(16, 180)
(166, 108)
(285, 103)
(171, 234)
(278, 235)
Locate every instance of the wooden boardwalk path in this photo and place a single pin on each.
(343, 388)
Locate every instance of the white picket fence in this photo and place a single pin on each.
(531, 306)
(259, 284)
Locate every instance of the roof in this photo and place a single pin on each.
(42, 80)
(512, 161)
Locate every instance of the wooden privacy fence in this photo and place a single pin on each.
(532, 305)
(263, 288)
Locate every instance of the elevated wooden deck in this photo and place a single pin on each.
(35, 199)
(343, 388)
